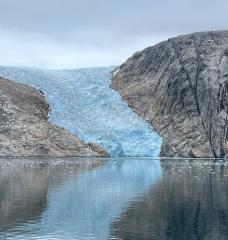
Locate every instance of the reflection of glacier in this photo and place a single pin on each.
(86, 206)
(82, 101)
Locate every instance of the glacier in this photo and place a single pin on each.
(82, 101)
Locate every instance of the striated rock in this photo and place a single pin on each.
(181, 87)
(25, 130)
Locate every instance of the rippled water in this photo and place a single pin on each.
(113, 199)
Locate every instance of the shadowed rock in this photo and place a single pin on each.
(181, 87)
(25, 130)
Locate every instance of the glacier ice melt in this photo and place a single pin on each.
(82, 101)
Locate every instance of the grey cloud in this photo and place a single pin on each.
(99, 27)
(127, 16)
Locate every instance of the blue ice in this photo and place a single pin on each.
(82, 101)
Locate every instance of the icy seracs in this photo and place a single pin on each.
(82, 101)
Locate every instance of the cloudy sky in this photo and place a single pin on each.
(83, 33)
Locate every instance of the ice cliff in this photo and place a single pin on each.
(82, 101)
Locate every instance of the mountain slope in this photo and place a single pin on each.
(181, 87)
(25, 131)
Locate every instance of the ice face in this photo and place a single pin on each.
(82, 101)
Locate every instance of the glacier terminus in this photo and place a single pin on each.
(82, 101)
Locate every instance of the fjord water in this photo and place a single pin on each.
(82, 101)
(131, 198)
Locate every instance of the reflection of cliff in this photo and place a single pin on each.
(189, 202)
(23, 197)
(24, 186)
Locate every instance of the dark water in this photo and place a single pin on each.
(113, 199)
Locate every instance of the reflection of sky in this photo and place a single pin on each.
(83, 102)
(85, 207)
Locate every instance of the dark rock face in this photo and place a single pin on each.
(25, 130)
(181, 87)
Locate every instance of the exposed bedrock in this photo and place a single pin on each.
(181, 87)
(25, 130)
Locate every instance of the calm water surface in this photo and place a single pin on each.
(128, 199)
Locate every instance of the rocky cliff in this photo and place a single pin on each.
(181, 87)
(25, 130)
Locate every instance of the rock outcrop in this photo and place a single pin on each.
(25, 130)
(181, 87)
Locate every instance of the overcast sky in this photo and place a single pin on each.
(83, 33)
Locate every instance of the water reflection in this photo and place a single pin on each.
(25, 184)
(190, 201)
(65, 199)
(122, 199)
(23, 195)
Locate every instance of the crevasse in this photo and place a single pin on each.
(82, 101)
